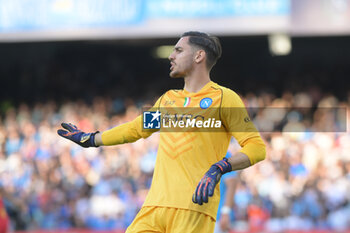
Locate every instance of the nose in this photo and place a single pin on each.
(171, 56)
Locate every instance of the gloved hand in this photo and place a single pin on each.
(207, 184)
(77, 136)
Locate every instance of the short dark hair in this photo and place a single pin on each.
(210, 44)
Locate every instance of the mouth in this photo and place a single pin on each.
(172, 66)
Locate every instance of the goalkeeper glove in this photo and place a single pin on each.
(207, 184)
(77, 136)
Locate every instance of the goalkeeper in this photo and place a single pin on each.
(184, 194)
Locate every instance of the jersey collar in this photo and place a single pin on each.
(200, 92)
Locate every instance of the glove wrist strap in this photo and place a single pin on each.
(224, 166)
(92, 138)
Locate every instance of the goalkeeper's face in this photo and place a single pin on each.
(181, 59)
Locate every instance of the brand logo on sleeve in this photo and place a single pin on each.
(169, 102)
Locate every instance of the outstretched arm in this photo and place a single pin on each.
(74, 134)
(125, 133)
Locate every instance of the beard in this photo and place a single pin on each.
(181, 71)
(175, 74)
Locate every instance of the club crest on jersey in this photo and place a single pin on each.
(205, 103)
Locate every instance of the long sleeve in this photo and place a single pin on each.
(237, 122)
(255, 149)
(128, 132)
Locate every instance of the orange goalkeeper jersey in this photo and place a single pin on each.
(184, 157)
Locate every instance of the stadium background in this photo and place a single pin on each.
(51, 74)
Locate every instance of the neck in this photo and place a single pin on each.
(196, 82)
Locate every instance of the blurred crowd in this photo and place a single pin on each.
(52, 183)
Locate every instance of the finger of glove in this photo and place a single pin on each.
(62, 133)
(211, 188)
(200, 192)
(205, 190)
(212, 184)
(194, 199)
(70, 127)
(194, 196)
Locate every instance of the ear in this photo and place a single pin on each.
(199, 56)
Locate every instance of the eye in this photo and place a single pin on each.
(178, 50)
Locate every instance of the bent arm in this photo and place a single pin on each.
(239, 161)
(253, 150)
(237, 122)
